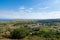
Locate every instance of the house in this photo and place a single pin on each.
(34, 25)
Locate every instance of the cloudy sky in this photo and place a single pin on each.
(30, 9)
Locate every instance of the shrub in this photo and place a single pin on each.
(19, 33)
(35, 29)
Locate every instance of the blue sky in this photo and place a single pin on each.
(30, 9)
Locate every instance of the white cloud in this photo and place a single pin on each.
(31, 8)
(22, 7)
(56, 1)
(44, 8)
(29, 14)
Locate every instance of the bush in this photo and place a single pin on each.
(35, 29)
(19, 33)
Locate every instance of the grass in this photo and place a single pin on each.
(46, 28)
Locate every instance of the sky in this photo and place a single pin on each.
(29, 9)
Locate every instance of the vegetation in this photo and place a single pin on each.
(19, 33)
(30, 29)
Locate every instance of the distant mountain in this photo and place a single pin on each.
(49, 20)
(38, 20)
(4, 19)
